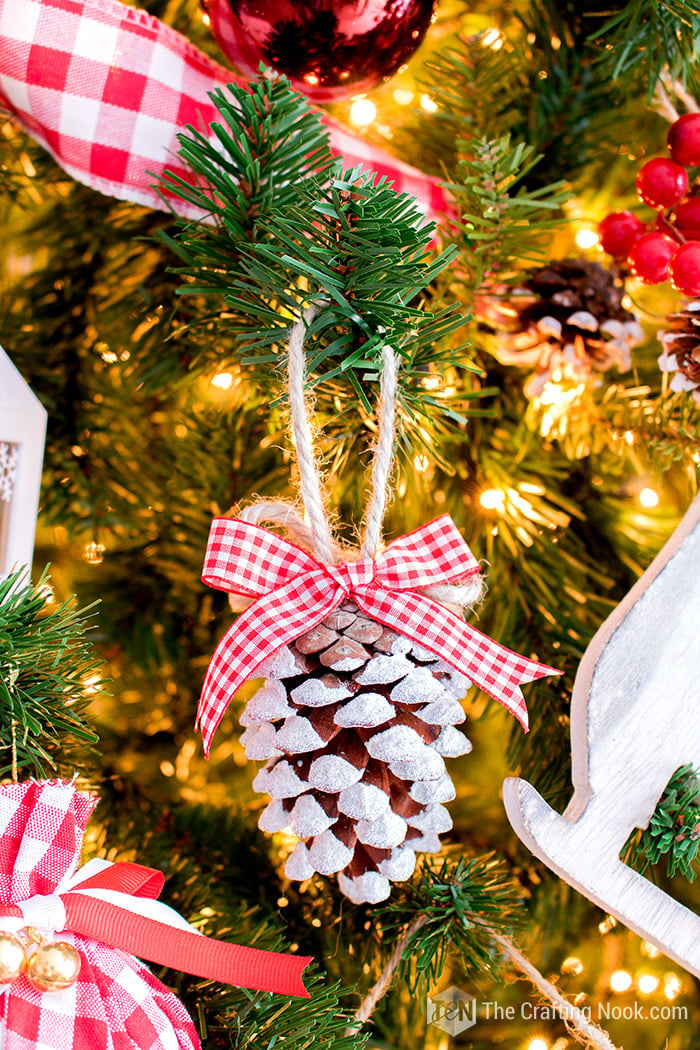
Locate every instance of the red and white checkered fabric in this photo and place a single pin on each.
(105, 88)
(116, 1004)
(295, 592)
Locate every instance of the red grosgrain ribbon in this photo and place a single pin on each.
(105, 89)
(295, 592)
(167, 945)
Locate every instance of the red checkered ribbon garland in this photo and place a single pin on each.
(106, 88)
(116, 1001)
(294, 593)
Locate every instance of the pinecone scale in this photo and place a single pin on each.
(354, 722)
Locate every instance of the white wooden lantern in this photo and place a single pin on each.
(635, 718)
(22, 435)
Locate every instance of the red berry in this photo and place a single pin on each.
(661, 183)
(684, 270)
(684, 140)
(619, 231)
(649, 257)
(687, 218)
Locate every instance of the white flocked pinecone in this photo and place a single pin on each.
(354, 722)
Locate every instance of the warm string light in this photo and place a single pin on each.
(362, 112)
(648, 983)
(492, 499)
(649, 498)
(94, 553)
(222, 381)
(621, 981)
(428, 104)
(586, 238)
(493, 38)
(538, 1044)
(572, 966)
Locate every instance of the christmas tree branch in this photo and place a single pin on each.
(285, 236)
(45, 663)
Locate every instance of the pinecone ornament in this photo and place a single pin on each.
(681, 343)
(567, 320)
(355, 721)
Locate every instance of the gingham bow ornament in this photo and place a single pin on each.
(294, 593)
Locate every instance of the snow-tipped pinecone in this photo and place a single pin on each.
(355, 721)
(568, 317)
(681, 343)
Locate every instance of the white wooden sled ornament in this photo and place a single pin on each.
(635, 718)
(22, 433)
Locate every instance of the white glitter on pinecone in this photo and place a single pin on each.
(354, 720)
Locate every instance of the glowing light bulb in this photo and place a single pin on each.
(222, 381)
(493, 38)
(428, 104)
(362, 112)
(492, 499)
(572, 965)
(649, 498)
(587, 238)
(94, 553)
(672, 986)
(421, 463)
(621, 981)
(402, 97)
(538, 1044)
(648, 983)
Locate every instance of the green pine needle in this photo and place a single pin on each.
(673, 831)
(464, 902)
(45, 659)
(287, 228)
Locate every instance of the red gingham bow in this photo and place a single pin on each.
(105, 89)
(294, 593)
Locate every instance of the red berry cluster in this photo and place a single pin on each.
(669, 247)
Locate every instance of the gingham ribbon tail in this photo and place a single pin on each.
(294, 593)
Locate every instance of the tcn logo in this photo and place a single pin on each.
(452, 1010)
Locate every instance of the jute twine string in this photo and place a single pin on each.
(577, 1023)
(313, 532)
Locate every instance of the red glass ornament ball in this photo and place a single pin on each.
(661, 183)
(329, 49)
(619, 231)
(649, 258)
(684, 140)
(684, 269)
(687, 218)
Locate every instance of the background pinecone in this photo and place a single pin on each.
(568, 316)
(355, 721)
(681, 343)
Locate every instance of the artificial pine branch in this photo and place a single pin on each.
(502, 223)
(288, 228)
(463, 903)
(651, 38)
(673, 831)
(45, 660)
